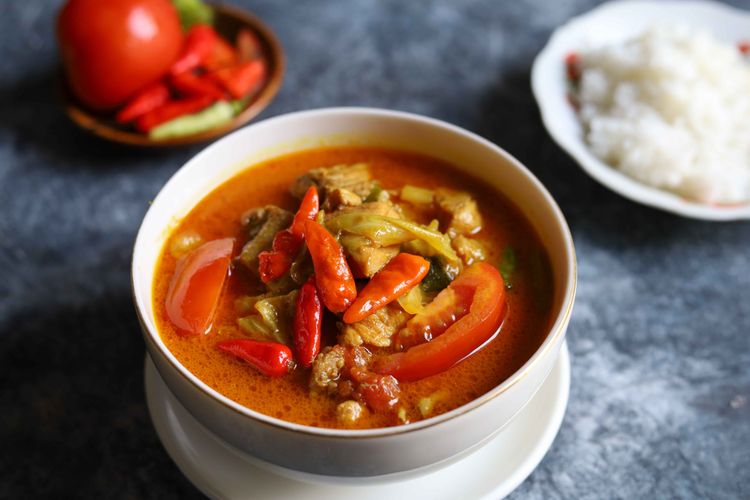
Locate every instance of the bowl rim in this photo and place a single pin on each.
(575, 146)
(556, 329)
(92, 123)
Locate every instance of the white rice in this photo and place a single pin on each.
(671, 108)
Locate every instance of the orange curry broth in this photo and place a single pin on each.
(289, 398)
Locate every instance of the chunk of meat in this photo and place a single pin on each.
(354, 178)
(469, 249)
(341, 197)
(385, 208)
(365, 256)
(327, 368)
(376, 329)
(459, 212)
(348, 412)
(261, 225)
(379, 392)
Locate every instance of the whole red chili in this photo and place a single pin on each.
(287, 243)
(308, 320)
(400, 274)
(272, 359)
(332, 274)
(146, 100)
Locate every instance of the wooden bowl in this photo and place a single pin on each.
(227, 22)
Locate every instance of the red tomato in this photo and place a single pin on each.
(481, 290)
(113, 48)
(196, 286)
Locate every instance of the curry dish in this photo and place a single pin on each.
(353, 288)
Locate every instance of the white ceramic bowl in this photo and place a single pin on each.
(354, 453)
(610, 23)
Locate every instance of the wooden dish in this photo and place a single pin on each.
(227, 22)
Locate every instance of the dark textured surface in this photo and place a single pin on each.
(659, 339)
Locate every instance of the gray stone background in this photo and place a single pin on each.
(660, 400)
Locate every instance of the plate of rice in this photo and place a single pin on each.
(652, 99)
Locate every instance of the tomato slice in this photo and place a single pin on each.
(196, 286)
(477, 304)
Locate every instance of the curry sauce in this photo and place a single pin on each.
(289, 398)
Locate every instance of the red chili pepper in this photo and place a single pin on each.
(274, 263)
(270, 358)
(308, 320)
(189, 84)
(744, 46)
(222, 55)
(472, 313)
(332, 274)
(400, 274)
(171, 110)
(308, 210)
(199, 43)
(248, 45)
(146, 100)
(287, 243)
(240, 80)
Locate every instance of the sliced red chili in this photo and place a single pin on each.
(199, 43)
(332, 274)
(146, 100)
(308, 320)
(272, 359)
(189, 84)
(241, 79)
(171, 110)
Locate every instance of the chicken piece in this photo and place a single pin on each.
(355, 178)
(349, 412)
(376, 329)
(384, 208)
(326, 369)
(366, 258)
(459, 212)
(470, 250)
(341, 197)
(261, 225)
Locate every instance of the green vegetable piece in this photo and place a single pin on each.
(193, 12)
(437, 277)
(386, 231)
(213, 116)
(508, 265)
(375, 193)
(274, 319)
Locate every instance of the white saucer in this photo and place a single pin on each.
(493, 471)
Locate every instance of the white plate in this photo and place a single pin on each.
(493, 471)
(609, 23)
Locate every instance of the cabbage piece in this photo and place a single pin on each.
(274, 319)
(412, 301)
(387, 231)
